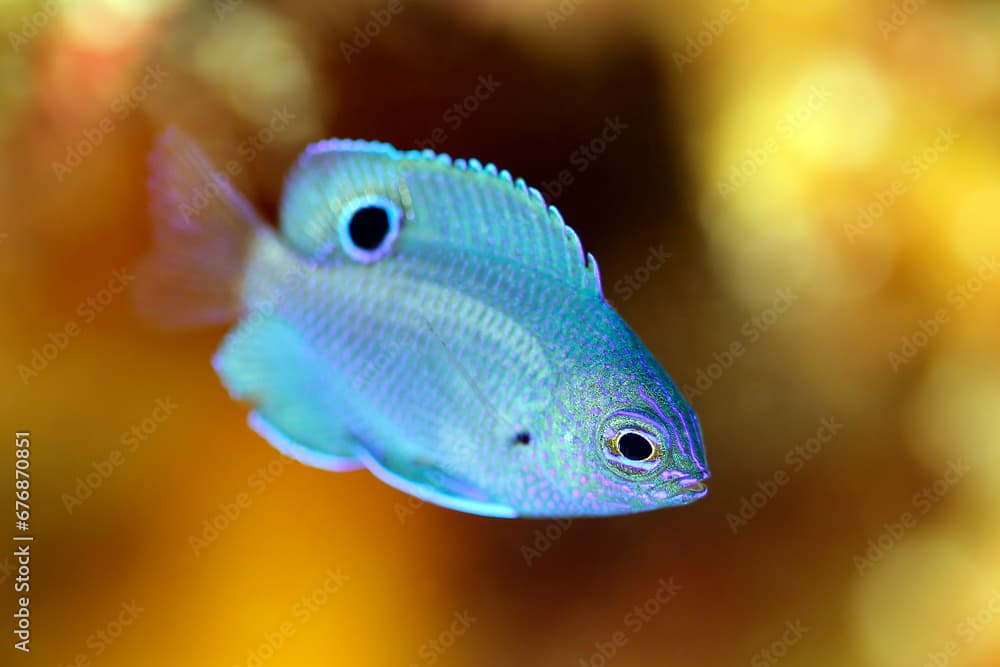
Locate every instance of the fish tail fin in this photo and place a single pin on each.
(204, 231)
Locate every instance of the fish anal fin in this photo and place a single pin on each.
(266, 362)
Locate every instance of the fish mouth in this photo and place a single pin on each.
(692, 488)
(680, 487)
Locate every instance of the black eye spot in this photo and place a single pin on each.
(368, 227)
(634, 447)
(523, 438)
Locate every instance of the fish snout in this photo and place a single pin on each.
(681, 483)
(693, 487)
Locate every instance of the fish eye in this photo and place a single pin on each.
(634, 446)
(368, 228)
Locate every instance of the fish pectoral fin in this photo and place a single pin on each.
(433, 484)
(266, 362)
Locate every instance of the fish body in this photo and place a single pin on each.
(429, 319)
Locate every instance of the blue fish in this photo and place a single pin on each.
(429, 319)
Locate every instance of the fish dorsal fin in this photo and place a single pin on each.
(459, 204)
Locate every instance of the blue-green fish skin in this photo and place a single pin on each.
(470, 359)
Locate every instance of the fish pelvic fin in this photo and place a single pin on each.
(204, 232)
(433, 484)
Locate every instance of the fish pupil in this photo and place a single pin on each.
(634, 447)
(523, 438)
(369, 227)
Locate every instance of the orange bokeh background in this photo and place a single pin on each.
(824, 180)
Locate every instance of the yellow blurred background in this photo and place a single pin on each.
(823, 179)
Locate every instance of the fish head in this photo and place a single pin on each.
(642, 446)
(646, 461)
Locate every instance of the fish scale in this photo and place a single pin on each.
(422, 363)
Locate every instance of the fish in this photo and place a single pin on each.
(429, 319)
